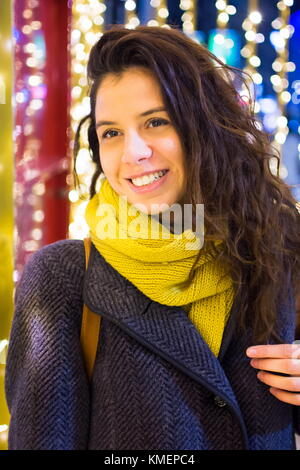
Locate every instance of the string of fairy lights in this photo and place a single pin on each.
(189, 17)
(252, 38)
(281, 65)
(220, 39)
(223, 12)
(87, 28)
(131, 19)
(31, 98)
(88, 22)
(161, 10)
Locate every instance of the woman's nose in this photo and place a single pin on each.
(135, 148)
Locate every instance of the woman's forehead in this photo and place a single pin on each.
(132, 90)
(131, 79)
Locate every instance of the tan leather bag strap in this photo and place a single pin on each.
(90, 326)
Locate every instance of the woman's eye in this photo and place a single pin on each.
(161, 121)
(107, 134)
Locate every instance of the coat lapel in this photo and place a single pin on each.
(165, 330)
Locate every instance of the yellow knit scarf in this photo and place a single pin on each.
(159, 267)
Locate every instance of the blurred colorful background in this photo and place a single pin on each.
(44, 46)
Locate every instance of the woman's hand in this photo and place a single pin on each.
(284, 358)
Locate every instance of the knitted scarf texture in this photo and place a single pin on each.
(161, 263)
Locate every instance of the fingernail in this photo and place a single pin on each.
(251, 351)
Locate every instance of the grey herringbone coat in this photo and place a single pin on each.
(156, 384)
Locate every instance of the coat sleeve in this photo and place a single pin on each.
(46, 385)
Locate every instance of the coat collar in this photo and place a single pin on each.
(165, 330)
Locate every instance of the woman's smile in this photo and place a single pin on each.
(148, 183)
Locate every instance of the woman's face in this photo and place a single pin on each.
(139, 140)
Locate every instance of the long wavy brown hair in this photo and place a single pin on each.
(228, 164)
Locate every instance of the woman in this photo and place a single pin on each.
(173, 371)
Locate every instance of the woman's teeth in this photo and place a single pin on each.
(149, 178)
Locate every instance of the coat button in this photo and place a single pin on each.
(219, 402)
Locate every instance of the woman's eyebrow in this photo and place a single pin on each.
(145, 113)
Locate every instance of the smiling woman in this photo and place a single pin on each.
(213, 149)
(167, 130)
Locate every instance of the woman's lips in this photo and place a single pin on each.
(148, 187)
